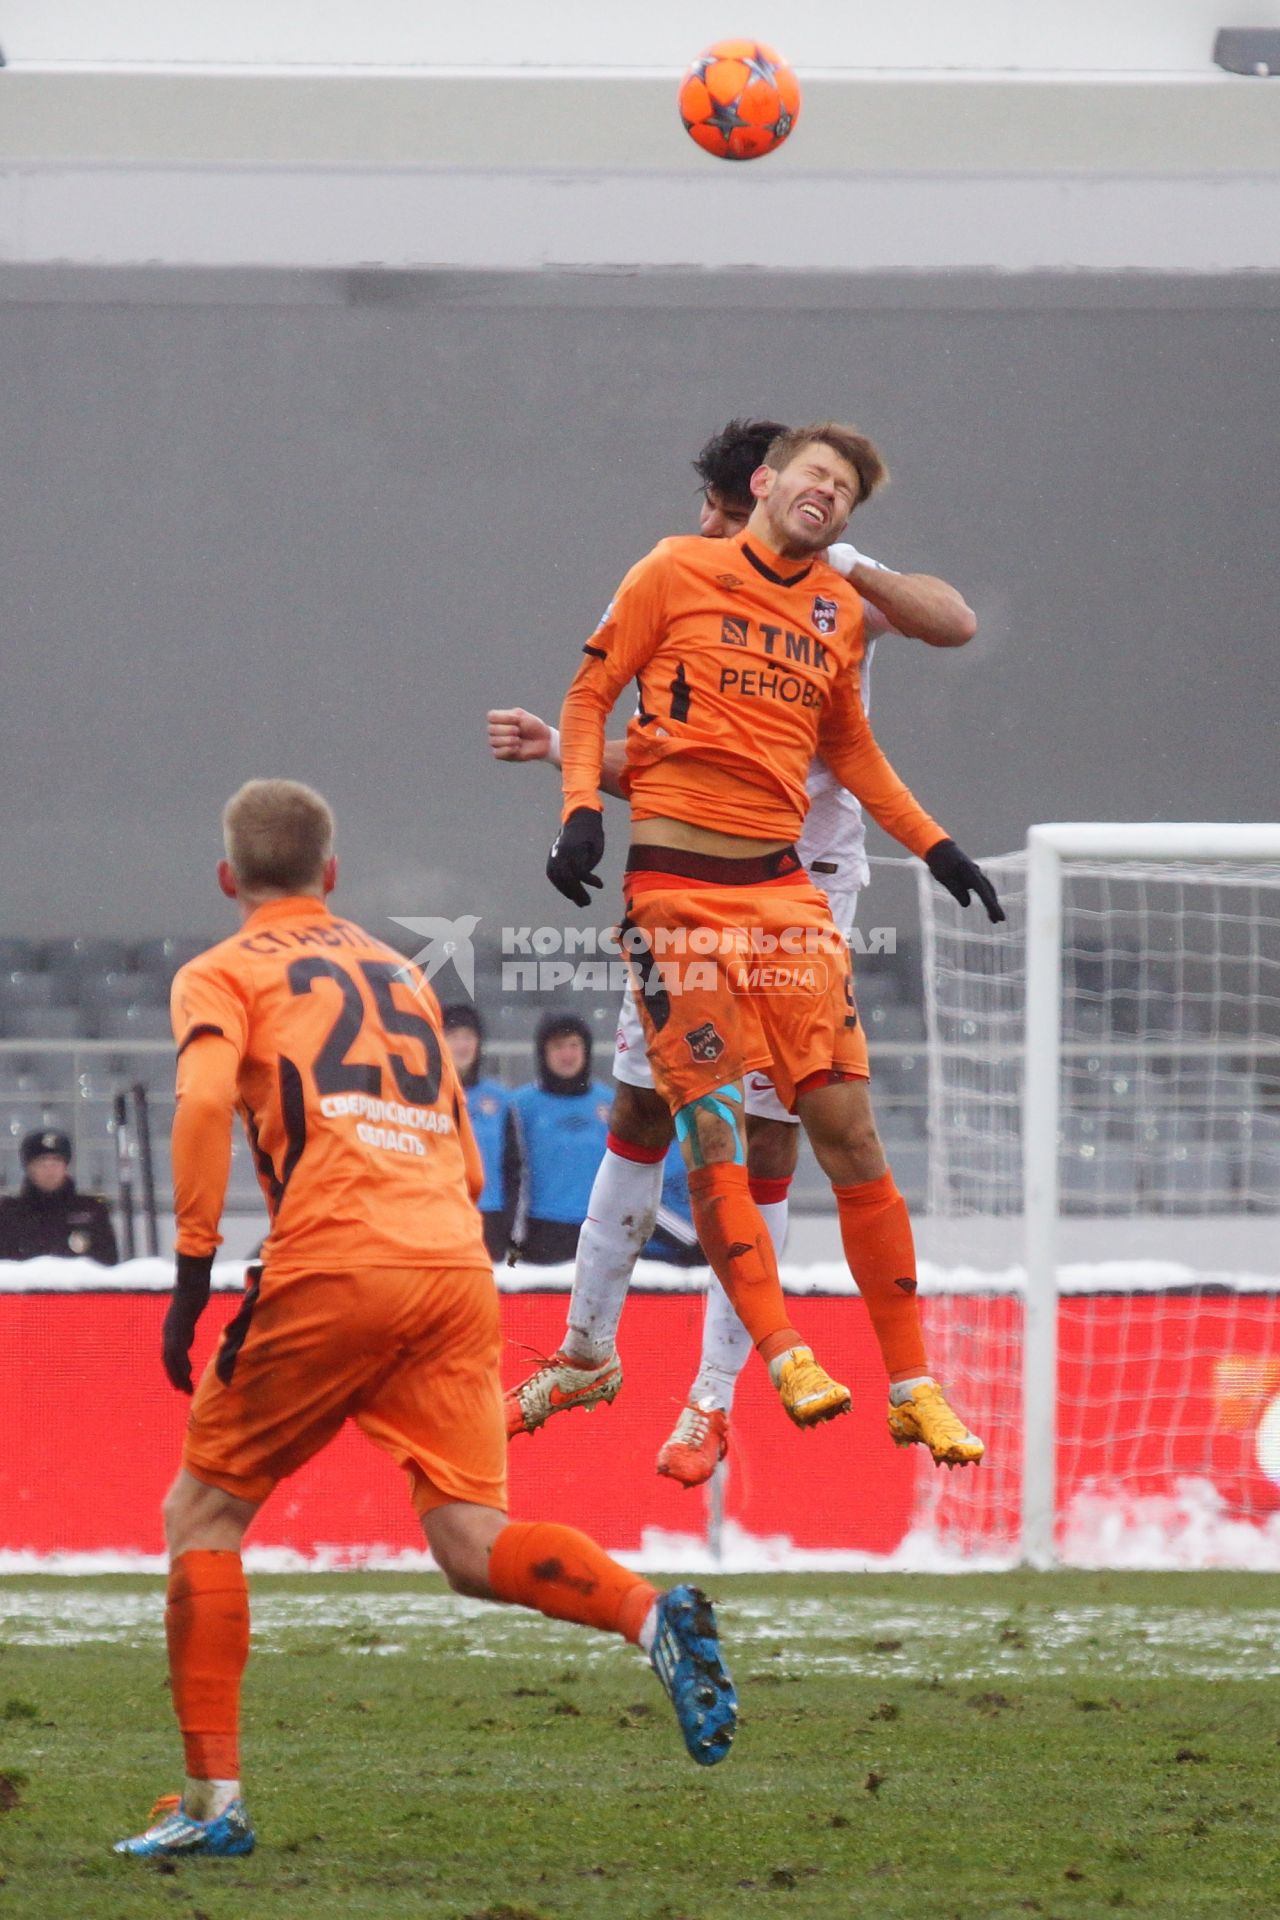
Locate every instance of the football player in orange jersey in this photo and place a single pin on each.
(586, 1369)
(374, 1302)
(746, 664)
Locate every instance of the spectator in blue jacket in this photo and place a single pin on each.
(493, 1122)
(564, 1122)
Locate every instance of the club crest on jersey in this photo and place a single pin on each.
(824, 614)
(704, 1042)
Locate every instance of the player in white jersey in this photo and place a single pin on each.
(625, 1197)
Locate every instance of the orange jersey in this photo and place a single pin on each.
(331, 1048)
(746, 665)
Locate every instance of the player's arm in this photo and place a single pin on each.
(850, 749)
(917, 605)
(210, 1026)
(516, 734)
(626, 639)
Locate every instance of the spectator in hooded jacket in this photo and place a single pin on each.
(493, 1122)
(563, 1117)
(49, 1214)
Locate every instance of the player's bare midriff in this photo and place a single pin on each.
(663, 832)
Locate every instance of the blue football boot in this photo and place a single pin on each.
(686, 1658)
(175, 1835)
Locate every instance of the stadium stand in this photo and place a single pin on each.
(1217, 1142)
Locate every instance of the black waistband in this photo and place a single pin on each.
(712, 868)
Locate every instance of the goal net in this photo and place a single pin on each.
(1105, 1184)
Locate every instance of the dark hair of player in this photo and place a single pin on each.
(861, 454)
(730, 457)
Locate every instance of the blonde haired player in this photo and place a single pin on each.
(832, 847)
(374, 1302)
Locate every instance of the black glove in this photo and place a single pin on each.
(190, 1298)
(576, 852)
(960, 876)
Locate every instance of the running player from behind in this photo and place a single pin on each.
(745, 654)
(586, 1369)
(374, 1302)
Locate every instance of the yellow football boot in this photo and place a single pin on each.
(925, 1419)
(808, 1393)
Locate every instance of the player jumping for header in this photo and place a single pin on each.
(746, 656)
(586, 1369)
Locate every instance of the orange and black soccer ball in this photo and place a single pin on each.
(739, 100)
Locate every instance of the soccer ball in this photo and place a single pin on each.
(739, 99)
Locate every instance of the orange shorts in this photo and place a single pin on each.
(737, 966)
(410, 1354)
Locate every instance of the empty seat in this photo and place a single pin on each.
(1096, 1174)
(1182, 1170)
(45, 1023)
(909, 1160)
(874, 983)
(123, 990)
(41, 1070)
(1097, 1171)
(86, 955)
(892, 1020)
(22, 956)
(18, 1079)
(19, 1118)
(134, 1023)
(153, 1069)
(21, 989)
(1254, 1141)
(901, 1122)
(899, 1073)
(163, 957)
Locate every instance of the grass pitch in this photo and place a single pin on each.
(911, 1748)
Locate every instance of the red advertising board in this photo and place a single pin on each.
(1154, 1390)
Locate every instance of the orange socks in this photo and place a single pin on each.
(736, 1242)
(876, 1230)
(206, 1621)
(558, 1571)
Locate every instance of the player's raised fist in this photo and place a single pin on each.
(576, 852)
(515, 734)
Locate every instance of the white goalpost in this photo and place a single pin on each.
(1105, 1166)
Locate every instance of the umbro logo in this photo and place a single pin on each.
(729, 581)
